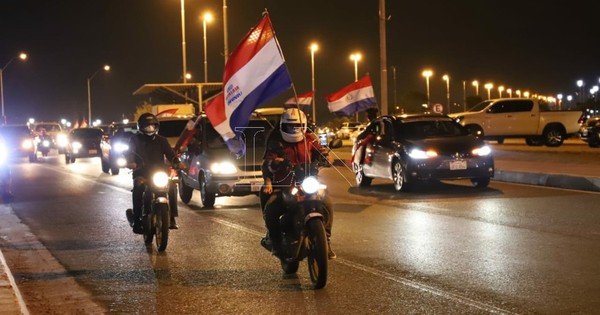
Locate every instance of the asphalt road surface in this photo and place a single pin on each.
(445, 248)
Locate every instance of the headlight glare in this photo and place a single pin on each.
(310, 185)
(120, 147)
(76, 145)
(421, 154)
(223, 168)
(482, 151)
(160, 179)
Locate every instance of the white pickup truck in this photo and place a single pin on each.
(519, 118)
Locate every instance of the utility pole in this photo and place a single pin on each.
(383, 58)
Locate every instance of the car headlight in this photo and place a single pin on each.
(311, 185)
(46, 143)
(27, 144)
(482, 151)
(160, 179)
(419, 154)
(120, 147)
(121, 162)
(76, 145)
(61, 140)
(3, 154)
(223, 168)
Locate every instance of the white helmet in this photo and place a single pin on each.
(292, 125)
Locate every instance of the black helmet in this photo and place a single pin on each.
(148, 124)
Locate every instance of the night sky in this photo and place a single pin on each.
(541, 46)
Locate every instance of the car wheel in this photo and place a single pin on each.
(67, 159)
(554, 137)
(105, 166)
(208, 198)
(480, 182)
(475, 130)
(399, 176)
(114, 170)
(361, 179)
(185, 192)
(72, 159)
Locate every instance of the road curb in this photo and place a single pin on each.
(551, 180)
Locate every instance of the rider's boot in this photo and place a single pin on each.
(330, 253)
(173, 224)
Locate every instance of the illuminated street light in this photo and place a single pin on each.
(356, 57)
(427, 74)
(476, 85)
(509, 91)
(206, 18)
(518, 92)
(500, 89)
(581, 84)
(105, 68)
(22, 56)
(188, 76)
(526, 94)
(447, 79)
(313, 48)
(489, 87)
(559, 97)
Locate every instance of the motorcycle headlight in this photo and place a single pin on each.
(46, 143)
(121, 162)
(223, 168)
(310, 185)
(160, 179)
(419, 154)
(482, 151)
(120, 147)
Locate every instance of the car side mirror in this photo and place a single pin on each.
(336, 143)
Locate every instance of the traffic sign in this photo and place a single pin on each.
(438, 108)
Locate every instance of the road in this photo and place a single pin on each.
(444, 248)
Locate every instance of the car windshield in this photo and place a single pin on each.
(256, 133)
(87, 132)
(425, 129)
(172, 128)
(48, 127)
(479, 107)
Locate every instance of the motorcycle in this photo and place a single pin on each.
(159, 201)
(43, 144)
(303, 225)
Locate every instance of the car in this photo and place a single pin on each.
(346, 129)
(357, 131)
(409, 149)
(83, 143)
(19, 141)
(172, 126)
(53, 129)
(590, 132)
(114, 144)
(214, 171)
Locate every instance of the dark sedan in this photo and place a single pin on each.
(83, 143)
(19, 140)
(114, 145)
(590, 132)
(408, 149)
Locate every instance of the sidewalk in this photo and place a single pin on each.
(578, 168)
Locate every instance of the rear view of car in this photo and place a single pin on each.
(590, 132)
(83, 143)
(114, 144)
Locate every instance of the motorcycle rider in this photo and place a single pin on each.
(147, 151)
(288, 144)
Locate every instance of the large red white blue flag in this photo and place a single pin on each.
(254, 73)
(353, 98)
(302, 100)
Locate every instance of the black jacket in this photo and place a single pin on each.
(149, 152)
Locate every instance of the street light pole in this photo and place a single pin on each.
(427, 74)
(22, 56)
(356, 57)
(464, 95)
(500, 90)
(89, 94)
(488, 87)
(476, 85)
(207, 18)
(447, 79)
(183, 41)
(225, 34)
(313, 48)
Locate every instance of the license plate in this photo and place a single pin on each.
(93, 151)
(458, 165)
(255, 186)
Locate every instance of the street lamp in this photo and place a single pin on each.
(427, 74)
(500, 89)
(489, 86)
(447, 79)
(476, 85)
(207, 18)
(518, 92)
(509, 91)
(526, 94)
(313, 48)
(183, 49)
(559, 97)
(22, 56)
(580, 84)
(105, 68)
(355, 57)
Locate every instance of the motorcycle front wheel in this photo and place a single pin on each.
(161, 220)
(148, 228)
(317, 252)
